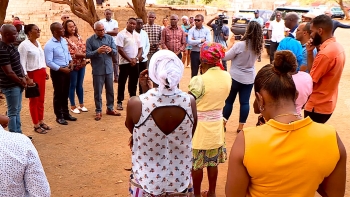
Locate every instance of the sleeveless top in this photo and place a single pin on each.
(289, 159)
(162, 163)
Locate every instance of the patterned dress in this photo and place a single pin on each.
(76, 47)
(162, 164)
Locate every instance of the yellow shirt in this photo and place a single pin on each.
(211, 90)
(289, 159)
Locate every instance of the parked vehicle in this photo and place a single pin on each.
(337, 12)
(284, 10)
(242, 18)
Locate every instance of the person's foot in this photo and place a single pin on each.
(30, 137)
(75, 110)
(70, 118)
(83, 109)
(98, 116)
(44, 126)
(120, 106)
(40, 130)
(113, 113)
(61, 121)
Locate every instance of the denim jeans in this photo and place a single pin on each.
(243, 91)
(76, 85)
(14, 105)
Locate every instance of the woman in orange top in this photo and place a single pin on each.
(287, 156)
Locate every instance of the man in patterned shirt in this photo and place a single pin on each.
(154, 34)
(173, 37)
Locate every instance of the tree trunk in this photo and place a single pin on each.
(3, 7)
(340, 2)
(84, 9)
(139, 7)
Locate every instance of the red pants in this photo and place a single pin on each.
(36, 105)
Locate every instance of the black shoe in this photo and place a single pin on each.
(30, 137)
(70, 118)
(61, 121)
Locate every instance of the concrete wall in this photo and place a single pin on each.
(44, 13)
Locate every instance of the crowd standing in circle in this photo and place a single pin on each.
(175, 135)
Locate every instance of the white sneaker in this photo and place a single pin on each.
(83, 109)
(76, 110)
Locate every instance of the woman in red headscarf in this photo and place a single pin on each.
(208, 142)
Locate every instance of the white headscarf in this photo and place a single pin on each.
(185, 17)
(166, 70)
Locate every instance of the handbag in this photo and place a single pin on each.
(32, 91)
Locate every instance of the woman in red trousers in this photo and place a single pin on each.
(34, 67)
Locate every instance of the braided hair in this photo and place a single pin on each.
(254, 35)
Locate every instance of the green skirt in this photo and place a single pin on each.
(208, 158)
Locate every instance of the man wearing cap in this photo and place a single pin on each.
(336, 23)
(307, 17)
(257, 18)
(21, 36)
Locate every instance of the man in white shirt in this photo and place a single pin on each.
(130, 51)
(145, 47)
(276, 33)
(111, 27)
(22, 173)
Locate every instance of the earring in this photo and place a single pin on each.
(261, 108)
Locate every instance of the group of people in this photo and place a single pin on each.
(176, 134)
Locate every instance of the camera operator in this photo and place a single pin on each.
(221, 33)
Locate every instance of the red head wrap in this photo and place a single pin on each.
(212, 53)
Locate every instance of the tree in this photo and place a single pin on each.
(3, 7)
(340, 2)
(139, 7)
(173, 2)
(84, 9)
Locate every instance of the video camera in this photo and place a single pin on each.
(223, 19)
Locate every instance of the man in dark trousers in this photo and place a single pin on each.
(59, 60)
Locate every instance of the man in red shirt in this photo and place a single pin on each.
(173, 37)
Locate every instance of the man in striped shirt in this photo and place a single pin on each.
(154, 34)
(12, 78)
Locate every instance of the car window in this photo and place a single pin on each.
(285, 11)
(336, 9)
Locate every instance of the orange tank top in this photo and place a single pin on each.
(289, 159)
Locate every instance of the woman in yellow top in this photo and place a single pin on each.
(208, 142)
(287, 156)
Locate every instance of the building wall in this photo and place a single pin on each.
(44, 13)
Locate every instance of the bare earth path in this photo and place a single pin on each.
(88, 157)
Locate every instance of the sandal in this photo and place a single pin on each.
(40, 130)
(204, 193)
(98, 116)
(45, 126)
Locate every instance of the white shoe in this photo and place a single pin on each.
(76, 110)
(83, 109)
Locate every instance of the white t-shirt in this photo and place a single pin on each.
(131, 42)
(278, 30)
(32, 57)
(110, 25)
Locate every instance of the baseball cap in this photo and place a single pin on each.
(256, 12)
(17, 22)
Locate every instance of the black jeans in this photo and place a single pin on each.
(60, 82)
(224, 64)
(126, 70)
(180, 56)
(316, 117)
(142, 67)
(273, 49)
(195, 62)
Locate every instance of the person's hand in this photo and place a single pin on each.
(222, 34)
(23, 82)
(4, 121)
(70, 65)
(47, 76)
(141, 59)
(216, 17)
(145, 81)
(102, 49)
(30, 81)
(65, 70)
(83, 63)
(108, 49)
(203, 40)
(133, 61)
(309, 45)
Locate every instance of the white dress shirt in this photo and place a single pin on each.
(110, 25)
(21, 172)
(32, 57)
(145, 44)
(278, 30)
(130, 42)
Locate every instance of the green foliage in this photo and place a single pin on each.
(173, 2)
(218, 3)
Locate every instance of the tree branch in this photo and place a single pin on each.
(3, 8)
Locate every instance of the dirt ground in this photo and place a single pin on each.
(88, 157)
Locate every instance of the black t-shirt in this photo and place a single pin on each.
(9, 55)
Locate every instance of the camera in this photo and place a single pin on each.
(223, 19)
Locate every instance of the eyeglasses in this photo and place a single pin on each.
(173, 19)
(197, 20)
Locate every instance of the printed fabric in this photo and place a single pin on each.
(75, 47)
(162, 163)
(212, 53)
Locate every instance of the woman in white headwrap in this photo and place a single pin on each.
(162, 122)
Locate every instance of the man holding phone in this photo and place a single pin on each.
(100, 48)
